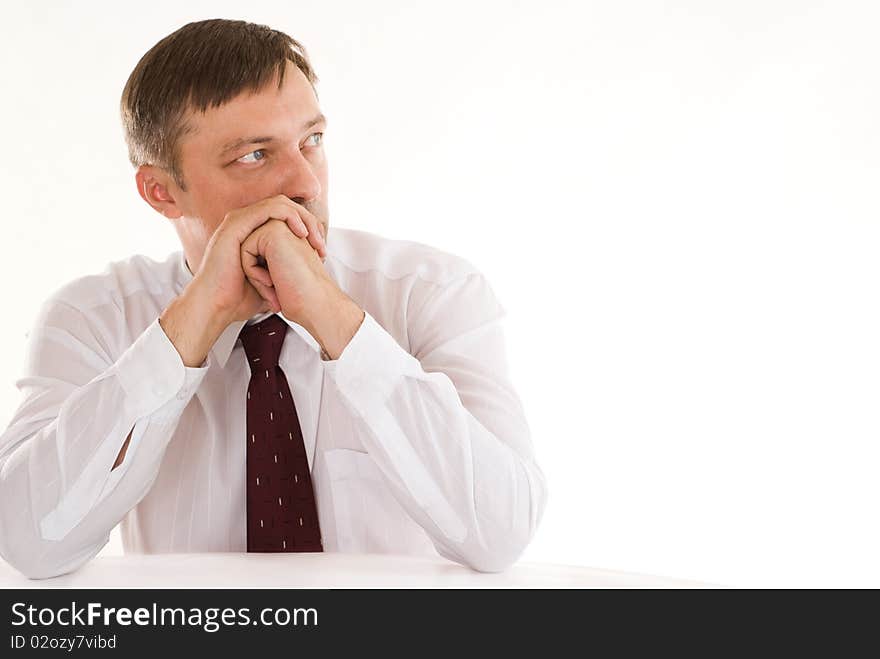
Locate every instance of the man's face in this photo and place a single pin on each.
(255, 146)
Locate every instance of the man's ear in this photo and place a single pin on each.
(157, 188)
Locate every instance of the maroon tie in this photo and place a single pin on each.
(281, 511)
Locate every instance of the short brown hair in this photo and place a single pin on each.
(201, 65)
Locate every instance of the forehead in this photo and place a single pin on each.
(268, 110)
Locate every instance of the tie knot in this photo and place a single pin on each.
(262, 342)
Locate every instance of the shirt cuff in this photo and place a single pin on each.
(372, 359)
(152, 373)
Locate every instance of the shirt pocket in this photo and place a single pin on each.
(368, 517)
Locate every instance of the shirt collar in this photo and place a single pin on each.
(225, 344)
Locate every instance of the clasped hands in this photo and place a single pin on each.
(282, 260)
(268, 257)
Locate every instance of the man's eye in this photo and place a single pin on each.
(253, 156)
(319, 138)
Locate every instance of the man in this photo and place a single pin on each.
(277, 385)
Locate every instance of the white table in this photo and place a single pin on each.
(327, 570)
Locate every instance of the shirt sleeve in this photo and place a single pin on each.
(59, 494)
(445, 425)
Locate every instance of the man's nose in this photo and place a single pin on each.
(300, 182)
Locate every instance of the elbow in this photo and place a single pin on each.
(33, 562)
(509, 545)
(492, 563)
(45, 559)
(495, 543)
(481, 557)
(36, 558)
(500, 555)
(494, 556)
(41, 566)
(36, 571)
(25, 551)
(27, 566)
(26, 544)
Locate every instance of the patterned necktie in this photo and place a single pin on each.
(281, 511)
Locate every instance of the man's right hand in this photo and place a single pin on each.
(220, 293)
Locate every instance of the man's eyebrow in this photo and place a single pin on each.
(319, 119)
(265, 139)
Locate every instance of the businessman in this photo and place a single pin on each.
(276, 385)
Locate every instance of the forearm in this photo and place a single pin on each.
(192, 325)
(56, 514)
(334, 321)
(59, 498)
(478, 499)
(457, 455)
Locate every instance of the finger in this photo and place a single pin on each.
(251, 263)
(288, 210)
(299, 228)
(316, 239)
(258, 273)
(310, 222)
(316, 235)
(242, 222)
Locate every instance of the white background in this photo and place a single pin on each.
(676, 202)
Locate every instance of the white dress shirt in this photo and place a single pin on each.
(416, 440)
